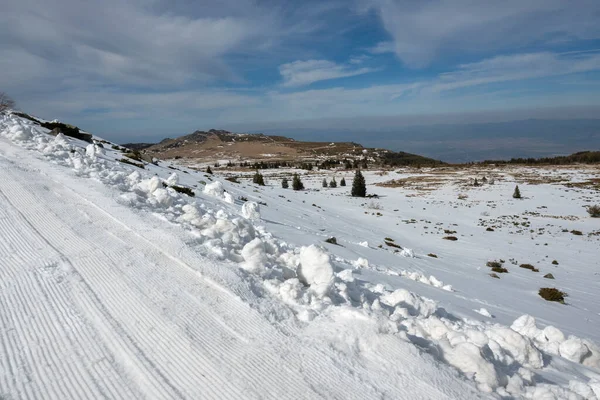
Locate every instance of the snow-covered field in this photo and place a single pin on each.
(114, 285)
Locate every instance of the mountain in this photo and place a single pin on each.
(224, 145)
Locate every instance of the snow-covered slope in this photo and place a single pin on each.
(115, 285)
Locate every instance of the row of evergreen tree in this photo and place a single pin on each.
(359, 187)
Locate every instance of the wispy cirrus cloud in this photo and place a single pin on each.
(302, 73)
(421, 31)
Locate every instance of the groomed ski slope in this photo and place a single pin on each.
(114, 286)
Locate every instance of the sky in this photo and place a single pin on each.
(132, 70)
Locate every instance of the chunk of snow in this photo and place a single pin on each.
(251, 210)
(255, 256)
(573, 349)
(315, 269)
(172, 180)
(407, 253)
(484, 312)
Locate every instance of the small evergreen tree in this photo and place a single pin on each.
(258, 179)
(324, 182)
(284, 183)
(343, 182)
(333, 183)
(208, 170)
(517, 193)
(359, 187)
(297, 183)
(475, 183)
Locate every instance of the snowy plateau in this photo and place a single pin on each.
(116, 285)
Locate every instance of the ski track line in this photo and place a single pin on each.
(29, 295)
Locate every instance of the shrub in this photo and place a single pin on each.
(452, 238)
(184, 190)
(493, 275)
(297, 183)
(325, 183)
(594, 211)
(126, 161)
(549, 276)
(490, 229)
(134, 155)
(463, 196)
(284, 183)
(552, 294)
(554, 262)
(576, 232)
(331, 240)
(493, 264)
(432, 255)
(359, 187)
(517, 193)
(392, 244)
(343, 182)
(389, 239)
(500, 270)
(208, 170)
(529, 267)
(333, 183)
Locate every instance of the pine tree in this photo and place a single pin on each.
(284, 183)
(343, 182)
(475, 183)
(333, 183)
(208, 170)
(517, 193)
(297, 183)
(324, 182)
(359, 187)
(258, 179)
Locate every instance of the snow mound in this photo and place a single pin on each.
(216, 189)
(315, 269)
(251, 211)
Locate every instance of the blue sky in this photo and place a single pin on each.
(143, 69)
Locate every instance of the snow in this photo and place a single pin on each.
(315, 270)
(116, 285)
(251, 211)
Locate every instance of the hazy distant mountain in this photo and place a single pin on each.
(470, 142)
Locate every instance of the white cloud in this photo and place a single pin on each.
(423, 30)
(300, 73)
(383, 47)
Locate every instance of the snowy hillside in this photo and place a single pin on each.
(115, 283)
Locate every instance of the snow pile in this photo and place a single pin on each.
(315, 270)
(251, 211)
(551, 340)
(216, 189)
